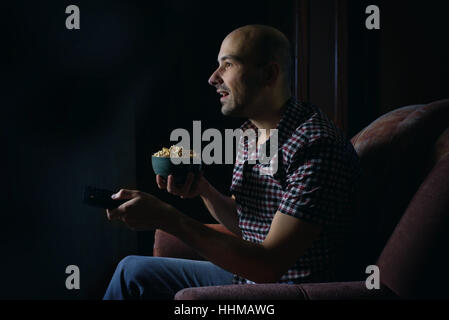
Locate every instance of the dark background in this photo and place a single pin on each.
(90, 106)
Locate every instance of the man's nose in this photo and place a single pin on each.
(215, 79)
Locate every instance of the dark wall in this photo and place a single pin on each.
(68, 121)
(405, 62)
(89, 107)
(414, 53)
(363, 67)
(321, 55)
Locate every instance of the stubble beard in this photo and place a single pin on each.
(228, 108)
(240, 108)
(232, 109)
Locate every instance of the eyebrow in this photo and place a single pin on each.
(230, 57)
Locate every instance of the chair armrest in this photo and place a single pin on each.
(317, 291)
(167, 245)
(269, 291)
(354, 290)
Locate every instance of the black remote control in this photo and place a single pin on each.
(101, 198)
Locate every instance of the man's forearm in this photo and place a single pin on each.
(221, 207)
(247, 259)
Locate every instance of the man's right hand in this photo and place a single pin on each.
(193, 186)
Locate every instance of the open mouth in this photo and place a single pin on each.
(223, 94)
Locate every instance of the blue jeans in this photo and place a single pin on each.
(138, 277)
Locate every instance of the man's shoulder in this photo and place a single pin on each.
(313, 127)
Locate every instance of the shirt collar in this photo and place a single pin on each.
(287, 124)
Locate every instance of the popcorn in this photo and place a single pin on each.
(174, 152)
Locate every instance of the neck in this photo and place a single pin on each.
(272, 113)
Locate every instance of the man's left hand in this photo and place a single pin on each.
(142, 211)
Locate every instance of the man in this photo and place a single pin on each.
(289, 225)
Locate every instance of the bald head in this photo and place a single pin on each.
(253, 73)
(260, 45)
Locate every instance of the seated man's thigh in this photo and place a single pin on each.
(161, 278)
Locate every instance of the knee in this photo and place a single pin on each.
(129, 267)
(143, 277)
(127, 261)
(140, 269)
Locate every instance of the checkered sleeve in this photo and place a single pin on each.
(318, 183)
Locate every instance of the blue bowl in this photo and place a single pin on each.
(164, 167)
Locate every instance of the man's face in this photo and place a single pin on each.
(237, 79)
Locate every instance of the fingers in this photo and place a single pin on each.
(125, 194)
(188, 184)
(197, 179)
(113, 214)
(178, 190)
(122, 212)
(117, 215)
(171, 187)
(161, 183)
(195, 187)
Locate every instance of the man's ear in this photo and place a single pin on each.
(271, 73)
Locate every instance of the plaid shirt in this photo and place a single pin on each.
(315, 181)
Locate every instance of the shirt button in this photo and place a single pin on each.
(245, 208)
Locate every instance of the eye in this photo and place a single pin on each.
(227, 64)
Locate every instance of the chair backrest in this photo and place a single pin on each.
(397, 153)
